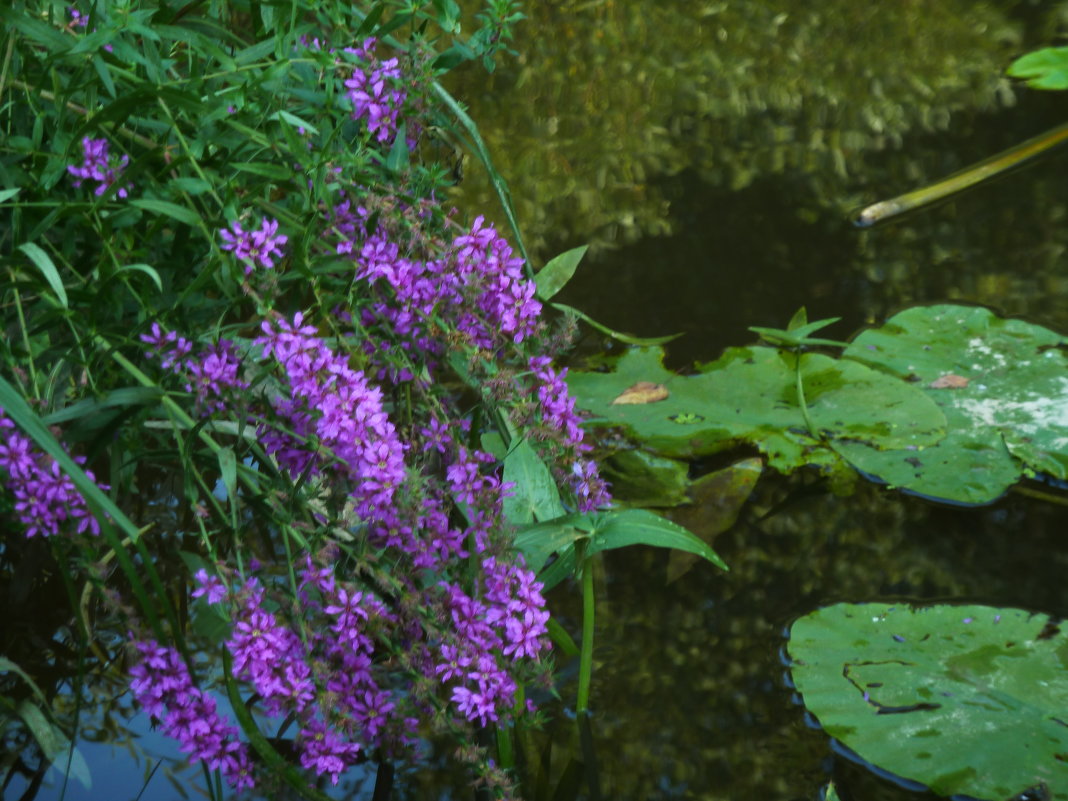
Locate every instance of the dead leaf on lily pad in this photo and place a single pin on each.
(949, 381)
(642, 392)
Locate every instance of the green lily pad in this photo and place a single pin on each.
(969, 700)
(1002, 384)
(749, 396)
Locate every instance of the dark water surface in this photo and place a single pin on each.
(689, 701)
(695, 185)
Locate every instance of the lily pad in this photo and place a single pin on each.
(1006, 407)
(749, 396)
(969, 700)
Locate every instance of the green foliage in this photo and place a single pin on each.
(967, 700)
(577, 537)
(748, 396)
(1042, 69)
(952, 402)
(1000, 383)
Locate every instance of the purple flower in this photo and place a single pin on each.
(375, 90)
(99, 167)
(269, 654)
(255, 248)
(213, 375)
(162, 685)
(336, 404)
(323, 751)
(210, 586)
(46, 500)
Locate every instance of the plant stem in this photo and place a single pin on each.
(586, 653)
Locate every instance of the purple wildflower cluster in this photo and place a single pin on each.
(46, 500)
(257, 248)
(213, 375)
(329, 402)
(343, 711)
(98, 166)
(376, 89)
(365, 658)
(163, 687)
(474, 286)
(558, 414)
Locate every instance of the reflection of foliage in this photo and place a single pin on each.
(608, 96)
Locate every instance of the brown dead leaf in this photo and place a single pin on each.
(949, 381)
(642, 392)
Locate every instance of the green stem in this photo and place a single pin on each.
(801, 398)
(586, 653)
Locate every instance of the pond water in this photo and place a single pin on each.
(689, 701)
(712, 153)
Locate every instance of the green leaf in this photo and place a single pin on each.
(256, 52)
(192, 186)
(797, 333)
(7, 666)
(1011, 414)
(629, 339)
(535, 495)
(55, 745)
(36, 30)
(147, 270)
(398, 159)
(102, 70)
(172, 210)
(369, 22)
(7, 194)
(968, 700)
(451, 58)
(542, 540)
(640, 478)
(294, 120)
(117, 398)
(43, 262)
(551, 278)
(228, 469)
(642, 527)
(716, 501)
(1043, 69)
(265, 169)
(749, 397)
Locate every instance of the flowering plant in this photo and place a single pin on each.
(263, 319)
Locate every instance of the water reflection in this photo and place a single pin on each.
(713, 155)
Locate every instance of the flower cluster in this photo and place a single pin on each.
(329, 401)
(412, 611)
(46, 500)
(257, 248)
(98, 166)
(213, 375)
(376, 90)
(558, 414)
(161, 683)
